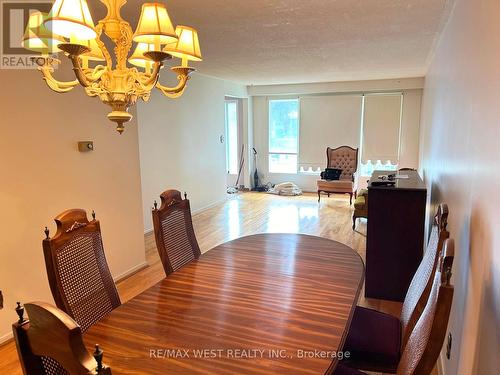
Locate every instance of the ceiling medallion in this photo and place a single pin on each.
(69, 28)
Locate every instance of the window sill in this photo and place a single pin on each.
(306, 173)
(292, 173)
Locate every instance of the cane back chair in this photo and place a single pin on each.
(174, 234)
(77, 270)
(375, 339)
(427, 337)
(50, 343)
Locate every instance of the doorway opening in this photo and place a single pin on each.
(233, 129)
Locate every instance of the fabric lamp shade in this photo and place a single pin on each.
(138, 58)
(187, 46)
(155, 26)
(37, 37)
(71, 18)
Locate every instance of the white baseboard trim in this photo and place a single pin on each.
(439, 364)
(131, 271)
(6, 338)
(194, 212)
(213, 204)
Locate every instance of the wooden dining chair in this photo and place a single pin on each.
(77, 270)
(375, 339)
(174, 233)
(427, 337)
(50, 343)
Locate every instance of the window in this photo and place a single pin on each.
(381, 135)
(283, 135)
(231, 107)
(366, 168)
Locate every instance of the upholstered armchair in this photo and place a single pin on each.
(346, 159)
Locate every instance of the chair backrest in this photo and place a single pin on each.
(78, 273)
(50, 343)
(421, 284)
(174, 233)
(344, 158)
(426, 340)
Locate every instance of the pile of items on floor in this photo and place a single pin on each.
(285, 188)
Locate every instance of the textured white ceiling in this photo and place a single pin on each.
(295, 41)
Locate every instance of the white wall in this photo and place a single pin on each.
(179, 143)
(43, 174)
(409, 153)
(460, 159)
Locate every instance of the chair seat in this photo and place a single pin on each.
(335, 185)
(363, 192)
(374, 341)
(342, 369)
(360, 203)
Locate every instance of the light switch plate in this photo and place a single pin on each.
(85, 146)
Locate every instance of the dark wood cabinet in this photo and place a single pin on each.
(395, 236)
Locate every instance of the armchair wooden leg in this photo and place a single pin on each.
(319, 195)
(350, 199)
(354, 222)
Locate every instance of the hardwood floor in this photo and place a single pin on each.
(244, 214)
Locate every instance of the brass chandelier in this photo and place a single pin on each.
(69, 28)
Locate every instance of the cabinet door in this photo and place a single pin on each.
(395, 239)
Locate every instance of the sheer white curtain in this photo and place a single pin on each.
(381, 128)
(327, 121)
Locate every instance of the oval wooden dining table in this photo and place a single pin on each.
(261, 304)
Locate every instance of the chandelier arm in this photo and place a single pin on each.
(171, 94)
(183, 75)
(95, 74)
(150, 80)
(174, 90)
(79, 73)
(145, 88)
(54, 84)
(46, 67)
(86, 77)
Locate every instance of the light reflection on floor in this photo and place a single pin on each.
(234, 226)
(291, 218)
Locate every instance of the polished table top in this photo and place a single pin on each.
(261, 304)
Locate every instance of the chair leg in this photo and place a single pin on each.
(354, 222)
(350, 199)
(328, 194)
(355, 194)
(319, 196)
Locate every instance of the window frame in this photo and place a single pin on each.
(269, 152)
